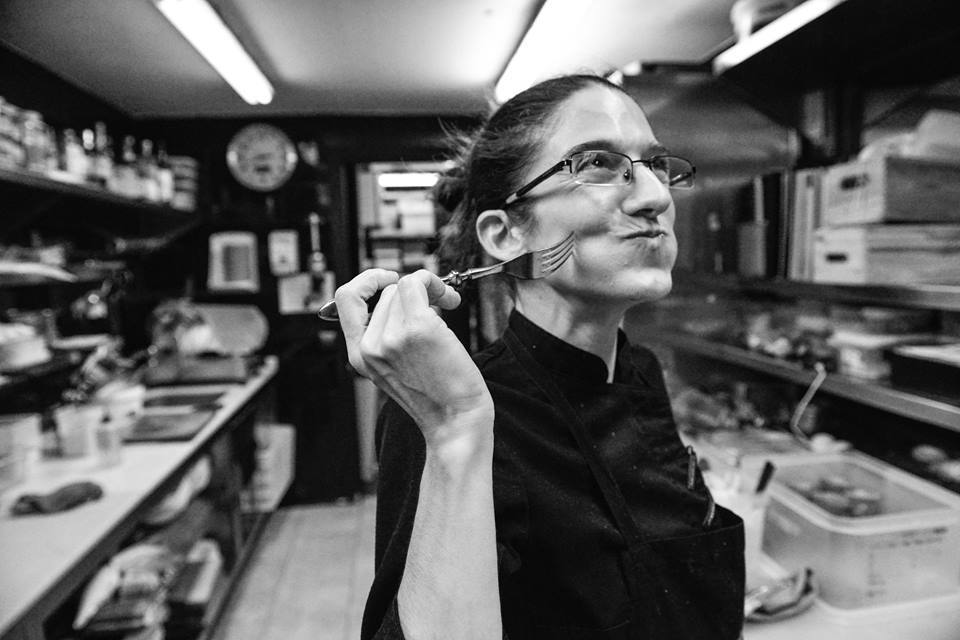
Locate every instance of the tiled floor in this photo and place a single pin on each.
(308, 577)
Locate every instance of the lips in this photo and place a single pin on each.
(653, 232)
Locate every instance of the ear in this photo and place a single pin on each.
(498, 236)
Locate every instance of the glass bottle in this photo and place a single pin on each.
(90, 150)
(128, 183)
(147, 172)
(103, 157)
(34, 141)
(74, 158)
(11, 136)
(164, 174)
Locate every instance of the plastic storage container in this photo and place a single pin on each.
(906, 547)
(743, 452)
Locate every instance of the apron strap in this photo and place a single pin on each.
(608, 484)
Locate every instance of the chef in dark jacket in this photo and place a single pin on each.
(539, 488)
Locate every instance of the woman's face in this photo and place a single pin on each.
(625, 245)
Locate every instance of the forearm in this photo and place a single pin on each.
(449, 588)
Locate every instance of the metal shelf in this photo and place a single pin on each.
(58, 364)
(930, 296)
(874, 394)
(40, 182)
(872, 42)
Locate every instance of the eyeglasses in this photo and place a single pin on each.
(610, 168)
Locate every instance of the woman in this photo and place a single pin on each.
(539, 490)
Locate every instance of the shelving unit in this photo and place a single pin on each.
(33, 199)
(879, 395)
(943, 297)
(85, 274)
(59, 364)
(827, 42)
(147, 473)
(39, 183)
(812, 69)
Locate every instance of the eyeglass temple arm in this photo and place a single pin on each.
(524, 190)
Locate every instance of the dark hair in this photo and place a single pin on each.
(491, 163)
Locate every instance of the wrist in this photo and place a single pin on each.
(462, 440)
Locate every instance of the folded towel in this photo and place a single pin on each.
(64, 498)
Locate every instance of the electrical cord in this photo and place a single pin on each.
(805, 401)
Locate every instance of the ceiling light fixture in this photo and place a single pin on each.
(204, 29)
(411, 180)
(554, 27)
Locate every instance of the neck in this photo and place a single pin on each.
(590, 327)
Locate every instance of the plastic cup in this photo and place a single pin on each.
(110, 443)
(77, 426)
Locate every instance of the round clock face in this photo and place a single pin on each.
(261, 157)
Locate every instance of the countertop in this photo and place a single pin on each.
(936, 618)
(39, 553)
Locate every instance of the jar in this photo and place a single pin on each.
(34, 141)
(11, 136)
(74, 158)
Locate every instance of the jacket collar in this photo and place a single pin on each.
(562, 357)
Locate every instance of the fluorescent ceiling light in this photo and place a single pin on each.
(412, 180)
(553, 29)
(204, 29)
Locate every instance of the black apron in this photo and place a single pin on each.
(684, 588)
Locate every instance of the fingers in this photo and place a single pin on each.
(402, 300)
(423, 289)
(352, 299)
(352, 308)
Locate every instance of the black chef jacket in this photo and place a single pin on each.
(566, 570)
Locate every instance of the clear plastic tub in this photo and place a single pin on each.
(905, 546)
(744, 452)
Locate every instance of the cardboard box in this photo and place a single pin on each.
(888, 254)
(890, 189)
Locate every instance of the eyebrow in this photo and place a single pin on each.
(603, 144)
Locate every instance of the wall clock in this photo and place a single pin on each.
(261, 157)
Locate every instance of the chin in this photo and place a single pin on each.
(655, 284)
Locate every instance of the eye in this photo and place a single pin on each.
(660, 165)
(598, 167)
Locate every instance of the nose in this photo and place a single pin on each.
(646, 195)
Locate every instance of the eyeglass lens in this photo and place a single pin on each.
(610, 168)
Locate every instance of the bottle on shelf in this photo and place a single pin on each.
(11, 136)
(89, 142)
(147, 172)
(34, 142)
(165, 181)
(125, 171)
(74, 158)
(103, 156)
(52, 152)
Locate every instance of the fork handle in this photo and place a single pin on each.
(456, 279)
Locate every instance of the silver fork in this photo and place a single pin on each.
(529, 266)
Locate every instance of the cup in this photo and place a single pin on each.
(23, 432)
(109, 436)
(123, 404)
(77, 426)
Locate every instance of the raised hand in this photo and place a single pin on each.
(410, 353)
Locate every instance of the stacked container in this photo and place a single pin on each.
(889, 220)
(874, 535)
